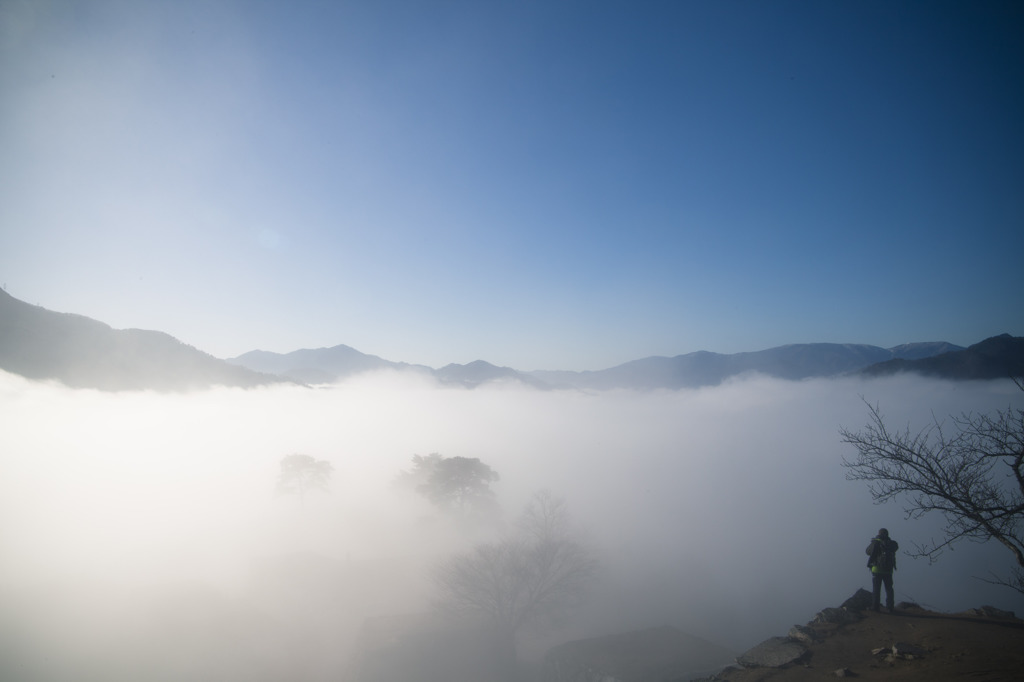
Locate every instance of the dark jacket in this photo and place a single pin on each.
(876, 549)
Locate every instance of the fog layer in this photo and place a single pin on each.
(142, 538)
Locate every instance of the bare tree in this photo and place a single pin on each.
(302, 474)
(540, 571)
(546, 518)
(971, 472)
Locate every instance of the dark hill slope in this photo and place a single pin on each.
(83, 353)
(999, 357)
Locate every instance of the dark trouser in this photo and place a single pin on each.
(877, 579)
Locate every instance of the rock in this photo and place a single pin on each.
(844, 672)
(774, 652)
(906, 605)
(881, 650)
(836, 616)
(802, 633)
(991, 612)
(860, 601)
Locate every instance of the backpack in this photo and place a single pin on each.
(883, 559)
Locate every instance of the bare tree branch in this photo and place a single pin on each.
(971, 472)
(540, 571)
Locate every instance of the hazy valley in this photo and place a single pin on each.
(143, 537)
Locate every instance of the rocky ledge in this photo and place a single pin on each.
(911, 643)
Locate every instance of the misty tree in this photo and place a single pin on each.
(971, 471)
(422, 468)
(461, 485)
(540, 571)
(302, 474)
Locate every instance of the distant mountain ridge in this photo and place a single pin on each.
(703, 368)
(997, 357)
(330, 365)
(82, 353)
(319, 365)
(480, 372)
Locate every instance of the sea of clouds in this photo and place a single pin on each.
(142, 537)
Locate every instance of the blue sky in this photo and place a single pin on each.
(544, 185)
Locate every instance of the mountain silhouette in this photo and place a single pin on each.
(319, 365)
(703, 368)
(80, 352)
(481, 372)
(998, 357)
(330, 365)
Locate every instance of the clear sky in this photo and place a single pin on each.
(544, 185)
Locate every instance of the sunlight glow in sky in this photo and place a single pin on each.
(544, 185)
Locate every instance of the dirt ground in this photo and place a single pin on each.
(957, 646)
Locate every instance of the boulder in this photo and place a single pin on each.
(773, 652)
(860, 601)
(836, 616)
(802, 633)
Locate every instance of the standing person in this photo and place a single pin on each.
(882, 562)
